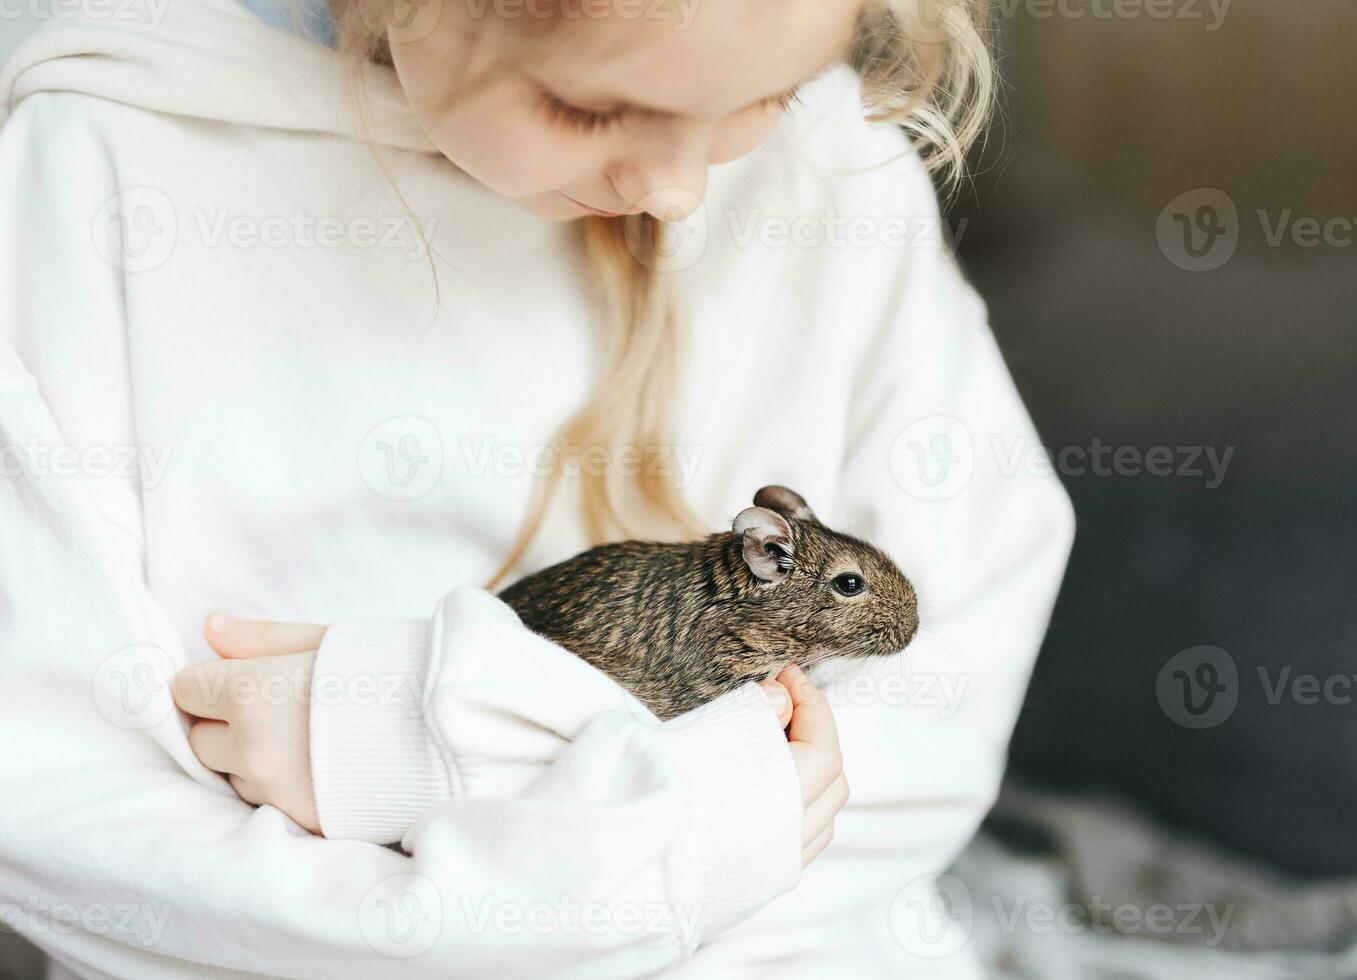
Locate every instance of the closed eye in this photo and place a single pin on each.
(580, 119)
(575, 117)
(784, 101)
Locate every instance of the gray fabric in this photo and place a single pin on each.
(1002, 883)
(1116, 857)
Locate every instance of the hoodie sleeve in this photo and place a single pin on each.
(122, 856)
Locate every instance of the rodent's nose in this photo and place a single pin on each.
(911, 627)
(909, 618)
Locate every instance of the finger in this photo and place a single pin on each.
(779, 700)
(246, 791)
(812, 721)
(211, 743)
(241, 638)
(821, 813)
(199, 690)
(812, 850)
(817, 768)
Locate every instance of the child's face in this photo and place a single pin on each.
(620, 108)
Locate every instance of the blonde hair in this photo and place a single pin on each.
(932, 75)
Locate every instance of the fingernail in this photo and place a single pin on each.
(220, 622)
(777, 696)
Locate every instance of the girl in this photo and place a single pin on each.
(303, 313)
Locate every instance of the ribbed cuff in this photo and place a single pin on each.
(375, 768)
(745, 793)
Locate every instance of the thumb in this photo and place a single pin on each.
(240, 639)
(779, 700)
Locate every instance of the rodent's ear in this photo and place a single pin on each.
(785, 501)
(767, 543)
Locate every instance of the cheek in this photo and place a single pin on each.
(496, 133)
(510, 150)
(740, 134)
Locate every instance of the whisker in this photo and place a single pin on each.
(941, 645)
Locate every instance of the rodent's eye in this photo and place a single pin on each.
(849, 584)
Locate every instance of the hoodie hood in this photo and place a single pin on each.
(204, 59)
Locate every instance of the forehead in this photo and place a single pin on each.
(840, 549)
(695, 57)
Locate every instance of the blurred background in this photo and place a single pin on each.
(1108, 122)
(1164, 224)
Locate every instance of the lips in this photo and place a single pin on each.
(593, 210)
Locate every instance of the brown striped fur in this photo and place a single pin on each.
(681, 624)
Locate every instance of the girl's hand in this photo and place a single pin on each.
(814, 739)
(252, 711)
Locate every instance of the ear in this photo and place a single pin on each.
(785, 501)
(767, 543)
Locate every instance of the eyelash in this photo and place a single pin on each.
(582, 120)
(591, 121)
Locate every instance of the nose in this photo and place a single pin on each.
(668, 178)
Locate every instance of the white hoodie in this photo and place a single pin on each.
(224, 383)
